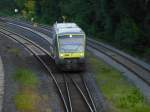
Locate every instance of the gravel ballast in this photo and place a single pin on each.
(143, 87)
(15, 57)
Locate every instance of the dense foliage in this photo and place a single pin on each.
(125, 23)
(7, 7)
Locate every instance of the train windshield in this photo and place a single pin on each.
(71, 43)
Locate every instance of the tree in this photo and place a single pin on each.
(50, 10)
(30, 8)
(123, 22)
(20, 4)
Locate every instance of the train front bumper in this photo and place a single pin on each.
(71, 64)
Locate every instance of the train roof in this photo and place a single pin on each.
(67, 28)
(66, 25)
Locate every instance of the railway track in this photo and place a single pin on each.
(74, 87)
(139, 70)
(43, 28)
(73, 92)
(143, 72)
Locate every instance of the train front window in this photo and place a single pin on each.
(71, 43)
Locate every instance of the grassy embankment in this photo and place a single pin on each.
(122, 95)
(28, 99)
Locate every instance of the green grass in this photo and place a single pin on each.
(122, 95)
(25, 77)
(27, 101)
(27, 98)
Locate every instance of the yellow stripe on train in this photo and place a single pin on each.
(71, 55)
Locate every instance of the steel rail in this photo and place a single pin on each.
(82, 94)
(129, 68)
(38, 57)
(89, 94)
(68, 92)
(114, 51)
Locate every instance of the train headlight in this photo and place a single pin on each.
(82, 54)
(61, 55)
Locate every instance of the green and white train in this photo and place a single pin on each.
(68, 46)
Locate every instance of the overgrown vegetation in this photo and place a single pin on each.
(123, 23)
(27, 101)
(7, 7)
(28, 98)
(122, 95)
(26, 77)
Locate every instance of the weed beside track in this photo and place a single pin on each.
(122, 95)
